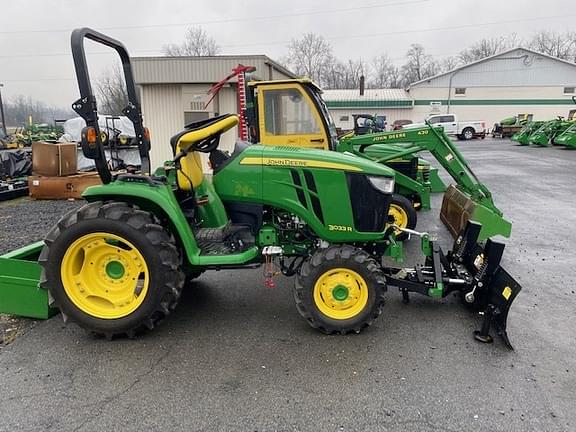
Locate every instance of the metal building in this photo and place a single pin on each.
(174, 93)
(518, 81)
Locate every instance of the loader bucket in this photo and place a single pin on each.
(540, 138)
(567, 138)
(458, 208)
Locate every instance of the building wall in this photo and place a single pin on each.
(492, 104)
(176, 70)
(164, 117)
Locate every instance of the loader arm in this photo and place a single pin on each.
(434, 140)
(414, 141)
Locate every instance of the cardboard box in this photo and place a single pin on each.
(61, 187)
(54, 159)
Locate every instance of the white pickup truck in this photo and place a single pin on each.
(463, 130)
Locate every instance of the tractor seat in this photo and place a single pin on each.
(202, 136)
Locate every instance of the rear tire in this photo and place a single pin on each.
(340, 290)
(112, 269)
(404, 214)
(467, 134)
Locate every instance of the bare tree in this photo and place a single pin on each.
(489, 47)
(555, 44)
(111, 91)
(419, 65)
(448, 64)
(197, 42)
(384, 73)
(19, 109)
(311, 55)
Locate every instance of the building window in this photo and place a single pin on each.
(460, 91)
(569, 90)
(344, 118)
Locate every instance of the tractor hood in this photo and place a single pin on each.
(342, 197)
(296, 157)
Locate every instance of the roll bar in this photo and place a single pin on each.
(86, 107)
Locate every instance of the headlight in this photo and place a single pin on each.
(383, 184)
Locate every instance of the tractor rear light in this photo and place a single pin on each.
(90, 134)
(383, 184)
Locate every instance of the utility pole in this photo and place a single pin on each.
(2, 112)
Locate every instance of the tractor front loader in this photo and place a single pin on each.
(567, 138)
(292, 112)
(523, 136)
(118, 265)
(547, 133)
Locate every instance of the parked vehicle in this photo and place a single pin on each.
(465, 130)
(399, 124)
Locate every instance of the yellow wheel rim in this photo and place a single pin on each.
(340, 293)
(104, 275)
(399, 216)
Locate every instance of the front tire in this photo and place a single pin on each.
(403, 213)
(340, 290)
(112, 269)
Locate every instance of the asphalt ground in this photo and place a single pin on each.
(236, 356)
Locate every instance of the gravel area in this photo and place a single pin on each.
(24, 220)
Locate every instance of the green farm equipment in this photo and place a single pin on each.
(548, 132)
(510, 126)
(33, 132)
(523, 136)
(567, 138)
(118, 265)
(292, 112)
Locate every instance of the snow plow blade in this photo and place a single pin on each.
(493, 289)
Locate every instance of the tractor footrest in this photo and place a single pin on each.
(233, 238)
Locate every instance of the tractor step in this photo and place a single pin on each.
(230, 239)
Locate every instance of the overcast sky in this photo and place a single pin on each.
(35, 55)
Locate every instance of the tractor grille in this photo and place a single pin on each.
(369, 205)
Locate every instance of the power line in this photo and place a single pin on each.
(229, 20)
(400, 32)
(283, 42)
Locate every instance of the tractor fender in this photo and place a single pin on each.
(158, 199)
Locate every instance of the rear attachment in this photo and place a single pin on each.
(19, 278)
(458, 208)
(472, 270)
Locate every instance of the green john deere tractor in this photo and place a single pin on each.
(119, 264)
